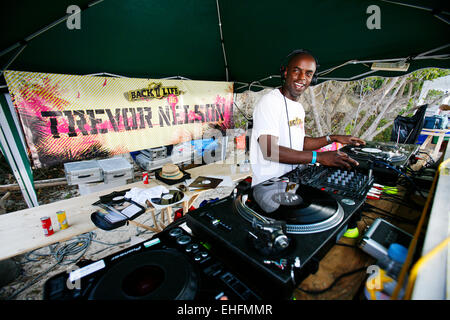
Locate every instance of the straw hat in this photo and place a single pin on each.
(171, 172)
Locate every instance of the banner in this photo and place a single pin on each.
(71, 118)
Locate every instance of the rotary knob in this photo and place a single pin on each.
(175, 232)
(183, 240)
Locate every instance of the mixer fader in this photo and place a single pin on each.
(350, 183)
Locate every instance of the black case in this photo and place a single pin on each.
(98, 218)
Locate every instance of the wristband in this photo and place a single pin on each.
(314, 157)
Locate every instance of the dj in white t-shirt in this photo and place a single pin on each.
(278, 142)
(270, 117)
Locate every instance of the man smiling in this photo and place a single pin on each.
(278, 140)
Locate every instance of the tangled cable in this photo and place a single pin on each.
(77, 246)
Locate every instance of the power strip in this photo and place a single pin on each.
(380, 235)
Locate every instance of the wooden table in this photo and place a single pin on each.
(21, 231)
(346, 257)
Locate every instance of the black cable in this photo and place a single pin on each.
(79, 245)
(334, 282)
(243, 114)
(398, 200)
(384, 213)
(402, 173)
(368, 207)
(429, 157)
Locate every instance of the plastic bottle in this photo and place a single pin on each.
(390, 266)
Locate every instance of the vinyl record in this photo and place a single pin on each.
(114, 197)
(306, 206)
(118, 199)
(371, 150)
(173, 196)
(205, 182)
(153, 275)
(395, 156)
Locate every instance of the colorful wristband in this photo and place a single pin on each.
(314, 157)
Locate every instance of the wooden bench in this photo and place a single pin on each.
(21, 231)
(441, 133)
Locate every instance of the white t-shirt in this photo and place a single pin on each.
(269, 118)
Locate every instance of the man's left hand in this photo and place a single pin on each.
(349, 140)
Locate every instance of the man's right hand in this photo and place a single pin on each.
(336, 159)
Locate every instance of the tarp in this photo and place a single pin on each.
(241, 41)
(233, 40)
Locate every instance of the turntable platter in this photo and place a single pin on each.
(152, 275)
(306, 205)
(306, 210)
(371, 150)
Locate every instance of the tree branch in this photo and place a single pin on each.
(380, 115)
(384, 91)
(314, 111)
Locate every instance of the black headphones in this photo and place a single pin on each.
(285, 62)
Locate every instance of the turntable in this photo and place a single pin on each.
(275, 234)
(394, 153)
(172, 265)
(382, 157)
(303, 208)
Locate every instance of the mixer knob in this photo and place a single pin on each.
(176, 232)
(183, 240)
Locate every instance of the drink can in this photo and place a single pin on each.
(145, 177)
(47, 226)
(61, 215)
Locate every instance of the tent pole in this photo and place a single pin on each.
(37, 33)
(12, 59)
(442, 19)
(221, 40)
(413, 6)
(420, 56)
(352, 78)
(15, 152)
(434, 50)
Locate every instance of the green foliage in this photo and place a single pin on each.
(428, 74)
(239, 121)
(349, 128)
(434, 95)
(414, 79)
(384, 136)
(367, 85)
(417, 77)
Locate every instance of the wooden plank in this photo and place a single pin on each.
(441, 133)
(21, 231)
(338, 261)
(342, 259)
